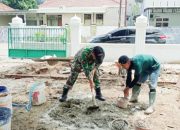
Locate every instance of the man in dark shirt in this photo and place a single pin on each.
(145, 66)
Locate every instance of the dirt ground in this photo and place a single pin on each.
(74, 114)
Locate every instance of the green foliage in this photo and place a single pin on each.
(21, 4)
(135, 10)
(62, 38)
(40, 36)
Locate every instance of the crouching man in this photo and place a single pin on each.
(145, 66)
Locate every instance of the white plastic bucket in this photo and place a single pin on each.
(5, 118)
(38, 94)
(5, 98)
(5, 102)
(122, 102)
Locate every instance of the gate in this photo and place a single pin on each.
(36, 42)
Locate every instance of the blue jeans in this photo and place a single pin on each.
(153, 78)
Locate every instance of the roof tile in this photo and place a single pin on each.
(4, 7)
(78, 3)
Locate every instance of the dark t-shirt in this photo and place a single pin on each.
(142, 64)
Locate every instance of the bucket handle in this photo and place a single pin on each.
(29, 105)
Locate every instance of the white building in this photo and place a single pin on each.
(162, 13)
(59, 12)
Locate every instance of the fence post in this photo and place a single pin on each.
(141, 24)
(18, 24)
(75, 34)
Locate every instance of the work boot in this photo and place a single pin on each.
(99, 95)
(135, 93)
(64, 95)
(152, 97)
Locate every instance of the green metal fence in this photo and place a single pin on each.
(36, 42)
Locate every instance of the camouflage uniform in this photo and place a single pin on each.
(83, 61)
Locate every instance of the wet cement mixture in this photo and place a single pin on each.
(76, 114)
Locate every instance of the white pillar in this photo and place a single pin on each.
(17, 22)
(75, 34)
(37, 20)
(45, 19)
(141, 24)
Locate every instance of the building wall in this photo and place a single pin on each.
(5, 20)
(111, 16)
(172, 19)
(161, 3)
(66, 18)
(163, 9)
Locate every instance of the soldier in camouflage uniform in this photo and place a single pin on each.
(88, 60)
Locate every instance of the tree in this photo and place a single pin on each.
(135, 10)
(141, 2)
(21, 4)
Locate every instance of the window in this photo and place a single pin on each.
(132, 32)
(151, 16)
(158, 24)
(119, 33)
(99, 19)
(159, 19)
(162, 22)
(165, 19)
(87, 19)
(165, 24)
(52, 20)
(31, 23)
(40, 22)
(174, 10)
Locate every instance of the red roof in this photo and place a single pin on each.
(4, 7)
(78, 3)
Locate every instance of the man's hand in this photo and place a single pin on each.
(118, 65)
(126, 92)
